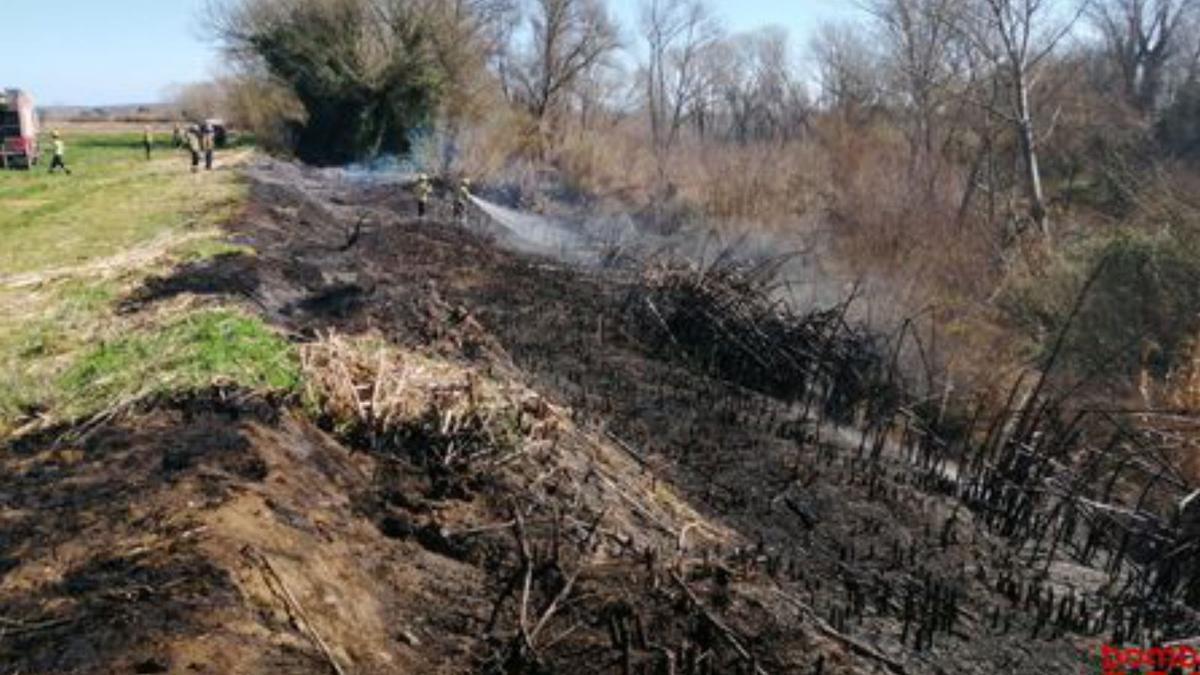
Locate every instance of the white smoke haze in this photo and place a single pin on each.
(531, 233)
(808, 278)
(577, 232)
(575, 229)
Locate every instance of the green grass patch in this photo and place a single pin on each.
(47, 328)
(113, 200)
(73, 246)
(53, 321)
(213, 347)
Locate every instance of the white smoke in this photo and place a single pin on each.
(536, 234)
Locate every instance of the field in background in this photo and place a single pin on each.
(75, 245)
(91, 128)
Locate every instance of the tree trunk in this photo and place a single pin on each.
(1150, 88)
(1029, 158)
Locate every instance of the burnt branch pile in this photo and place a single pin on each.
(730, 320)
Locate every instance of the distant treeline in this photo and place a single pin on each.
(145, 114)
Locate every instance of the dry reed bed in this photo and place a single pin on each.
(373, 392)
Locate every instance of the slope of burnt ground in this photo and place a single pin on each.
(674, 523)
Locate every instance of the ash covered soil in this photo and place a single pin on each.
(661, 521)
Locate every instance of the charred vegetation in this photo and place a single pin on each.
(659, 472)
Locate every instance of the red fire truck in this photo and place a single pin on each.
(18, 130)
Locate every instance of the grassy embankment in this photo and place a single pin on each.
(74, 245)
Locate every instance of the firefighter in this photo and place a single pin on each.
(59, 150)
(193, 145)
(147, 141)
(461, 198)
(208, 142)
(423, 191)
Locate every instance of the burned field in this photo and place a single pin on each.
(502, 464)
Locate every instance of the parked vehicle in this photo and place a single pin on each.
(18, 130)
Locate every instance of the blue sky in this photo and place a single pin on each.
(103, 52)
(799, 17)
(96, 52)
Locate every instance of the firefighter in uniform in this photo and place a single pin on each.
(423, 191)
(461, 198)
(193, 145)
(57, 162)
(208, 142)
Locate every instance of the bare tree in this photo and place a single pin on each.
(748, 82)
(569, 37)
(711, 67)
(1015, 37)
(1186, 69)
(468, 35)
(492, 25)
(1142, 37)
(922, 53)
(484, 28)
(847, 68)
(677, 33)
(201, 100)
(776, 92)
(601, 96)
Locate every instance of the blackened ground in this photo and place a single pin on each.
(838, 526)
(774, 548)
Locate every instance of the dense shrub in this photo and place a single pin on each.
(366, 74)
(1143, 309)
(1139, 317)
